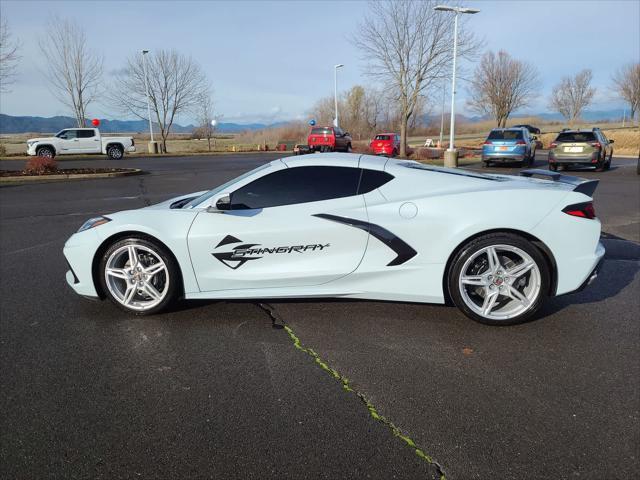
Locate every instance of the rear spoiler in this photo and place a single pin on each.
(580, 184)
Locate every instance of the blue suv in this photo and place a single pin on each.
(509, 145)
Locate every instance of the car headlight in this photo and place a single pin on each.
(93, 222)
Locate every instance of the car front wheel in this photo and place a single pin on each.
(499, 279)
(139, 276)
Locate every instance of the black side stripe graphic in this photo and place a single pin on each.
(402, 249)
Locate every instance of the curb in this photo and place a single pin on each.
(70, 176)
(139, 156)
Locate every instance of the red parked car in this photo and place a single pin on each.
(329, 139)
(386, 144)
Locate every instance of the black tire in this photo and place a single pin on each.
(602, 162)
(348, 150)
(607, 165)
(509, 239)
(174, 289)
(553, 167)
(115, 152)
(45, 152)
(485, 164)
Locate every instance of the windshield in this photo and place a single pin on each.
(198, 200)
(505, 135)
(61, 133)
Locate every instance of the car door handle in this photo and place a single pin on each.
(75, 139)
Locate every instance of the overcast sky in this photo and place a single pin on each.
(271, 61)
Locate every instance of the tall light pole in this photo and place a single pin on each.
(146, 87)
(335, 91)
(451, 156)
(444, 94)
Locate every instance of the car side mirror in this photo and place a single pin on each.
(224, 203)
(63, 137)
(220, 203)
(534, 137)
(611, 140)
(347, 134)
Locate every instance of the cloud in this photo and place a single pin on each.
(117, 71)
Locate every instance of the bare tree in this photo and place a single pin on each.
(626, 82)
(501, 84)
(323, 110)
(204, 112)
(74, 71)
(176, 85)
(408, 47)
(8, 56)
(572, 95)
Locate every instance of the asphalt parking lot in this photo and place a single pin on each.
(219, 389)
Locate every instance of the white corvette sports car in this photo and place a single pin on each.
(350, 226)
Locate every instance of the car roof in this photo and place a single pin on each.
(507, 128)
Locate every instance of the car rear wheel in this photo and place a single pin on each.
(553, 167)
(115, 152)
(139, 276)
(499, 279)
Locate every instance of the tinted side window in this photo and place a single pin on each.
(372, 179)
(71, 134)
(86, 133)
(297, 185)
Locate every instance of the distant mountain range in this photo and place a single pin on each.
(587, 115)
(12, 124)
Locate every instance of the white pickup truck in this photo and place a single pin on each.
(80, 141)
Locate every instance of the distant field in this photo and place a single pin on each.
(627, 140)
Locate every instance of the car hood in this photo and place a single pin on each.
(42, 139)
(167, 203)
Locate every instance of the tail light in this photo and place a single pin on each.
(553, 145)
(488, 143)
(521, 142)
(596, 145)
(583, 210)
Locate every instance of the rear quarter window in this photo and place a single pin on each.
(383, 137)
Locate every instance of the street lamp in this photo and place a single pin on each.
(451, 156)
(146, 86)
(335, 91)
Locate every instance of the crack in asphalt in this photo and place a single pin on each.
(143, 190)
(278, 323)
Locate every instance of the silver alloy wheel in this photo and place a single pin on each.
(500, 282)
(45, 153)
(115, 153)
(137, 277)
